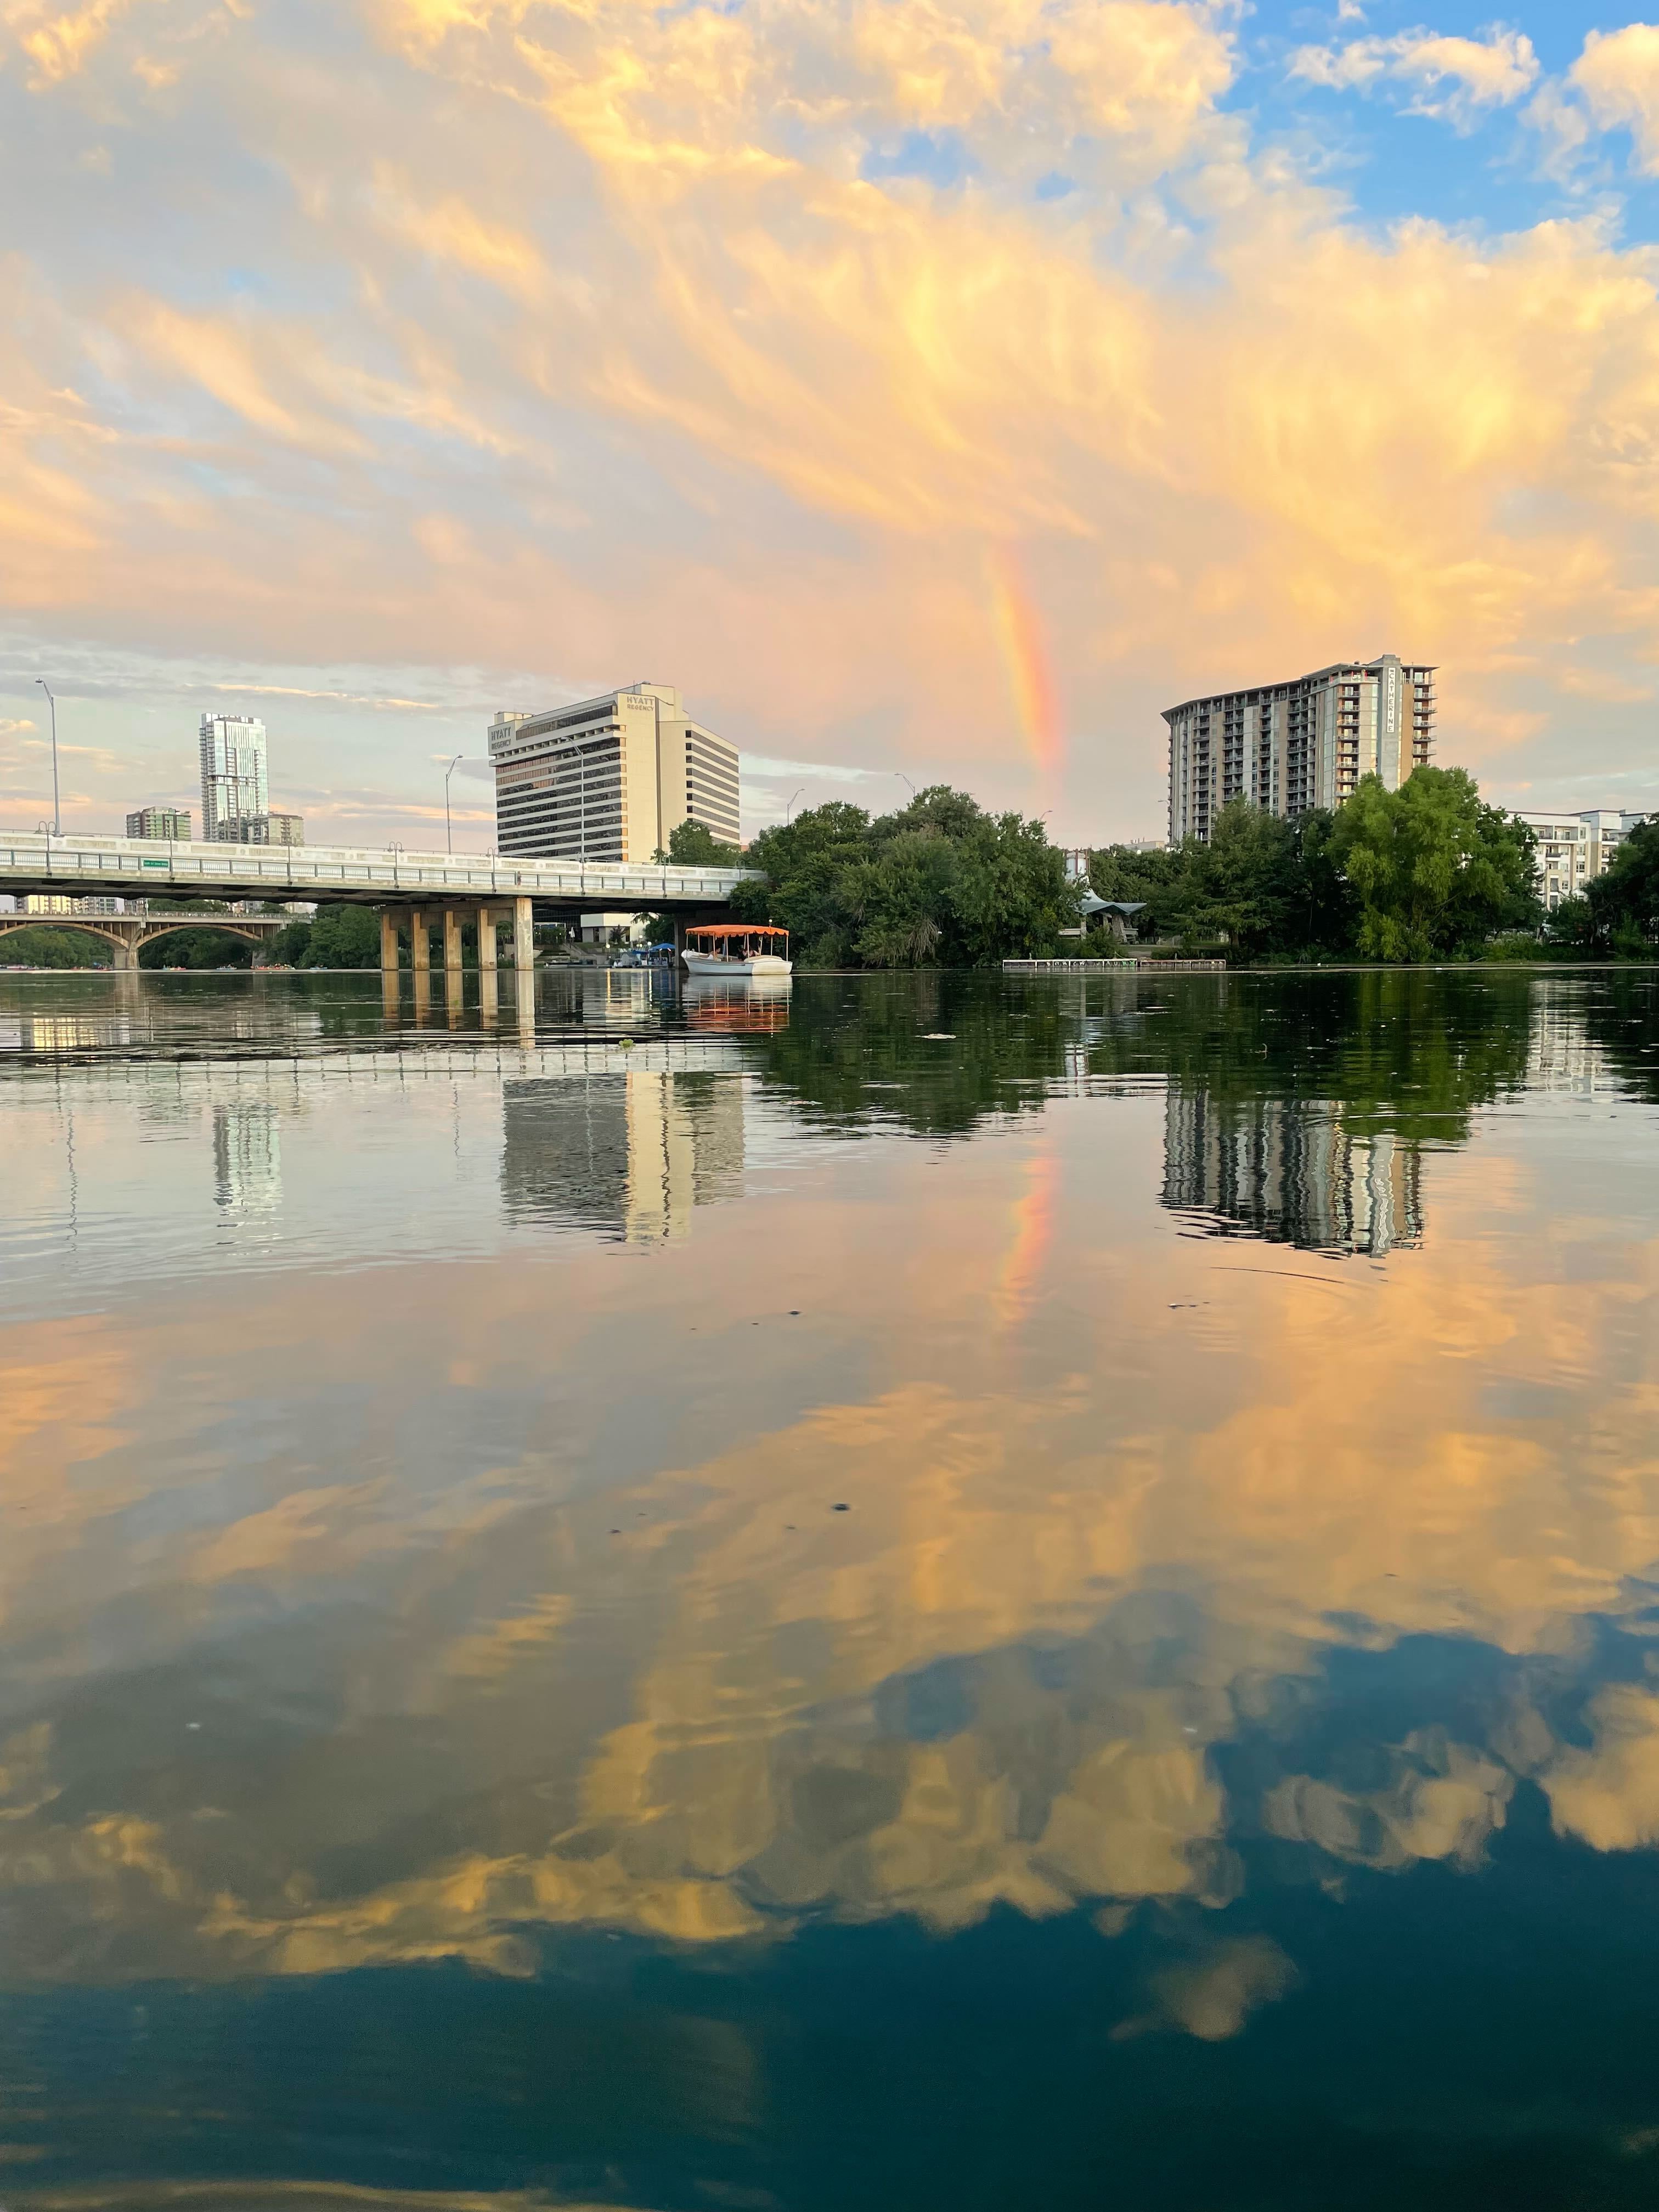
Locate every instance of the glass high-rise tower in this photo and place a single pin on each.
(234, 786)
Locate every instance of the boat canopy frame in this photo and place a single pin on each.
(710, 936)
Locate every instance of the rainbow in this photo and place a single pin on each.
(1035, 1211)
(1025, 655)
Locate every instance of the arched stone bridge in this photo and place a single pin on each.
(127, 933)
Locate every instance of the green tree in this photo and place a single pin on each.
(1625, 902)
(941, 883)
(1325, 916)
(289, 947)
(695, 845)
(55, 948)
(1266, 886)
(344, 937)
(196, 948)
(1247, 880)
(1573, 924)
(1435, 870)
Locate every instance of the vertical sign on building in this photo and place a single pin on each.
(1388, 705)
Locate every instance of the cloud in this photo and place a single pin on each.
(1457, 78)
(1617, 76)
(526, 339)
(58, 40)
(1609, 1795)
(1211, 1998)
(304, 692)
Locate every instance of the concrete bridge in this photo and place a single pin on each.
(128, 932)
(422, 889)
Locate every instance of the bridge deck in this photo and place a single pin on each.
(76, 866)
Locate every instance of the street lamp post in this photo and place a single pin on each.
(449, 835)
(789, 810)
(57, 810)
(903, 778)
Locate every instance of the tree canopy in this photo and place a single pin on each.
(338, 937)
(695, 845)
(1413, 874)
(1624, 904)
(1434, 868)
(940, 883)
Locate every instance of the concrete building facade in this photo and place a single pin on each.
(234, 780)
(273, 829)
(1290, 747)
(45, 903)
(168, 824)
(610, 778)
(1573, 849)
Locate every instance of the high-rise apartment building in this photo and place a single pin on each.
(1573, 849)
(1292, 746)
(610, 778)
(233, 790)
(170, 824)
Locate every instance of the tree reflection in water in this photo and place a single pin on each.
(450, 1741)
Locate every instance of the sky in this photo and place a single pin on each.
(931, 389)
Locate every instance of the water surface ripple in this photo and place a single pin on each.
(926, 1592)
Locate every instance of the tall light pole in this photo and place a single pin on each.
(449, 835)
(57, 810)
(903, 778)
(789, 810)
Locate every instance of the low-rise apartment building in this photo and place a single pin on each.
(1573, 849)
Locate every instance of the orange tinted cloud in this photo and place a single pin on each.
(841, 294)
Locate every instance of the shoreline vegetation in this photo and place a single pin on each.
(1429, 875)
(1425, 876)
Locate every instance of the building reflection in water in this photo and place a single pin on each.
(247, 1159)
(630, 1154)
(1289, 1171)
(1562, 1055)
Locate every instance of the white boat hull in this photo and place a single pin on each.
(759, 963)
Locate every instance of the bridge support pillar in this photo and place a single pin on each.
(524, 935)
(388, 942)
(452, 942)
(486, 940)
(126, 954)
(420, 941)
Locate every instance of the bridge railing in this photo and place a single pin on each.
(78, 864)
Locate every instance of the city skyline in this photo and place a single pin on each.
(938, 398)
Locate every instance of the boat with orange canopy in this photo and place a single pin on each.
(738, 948)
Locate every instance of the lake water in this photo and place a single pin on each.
(917, 1593)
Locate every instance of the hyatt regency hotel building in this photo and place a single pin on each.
(610, 778)
(1289, 747)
